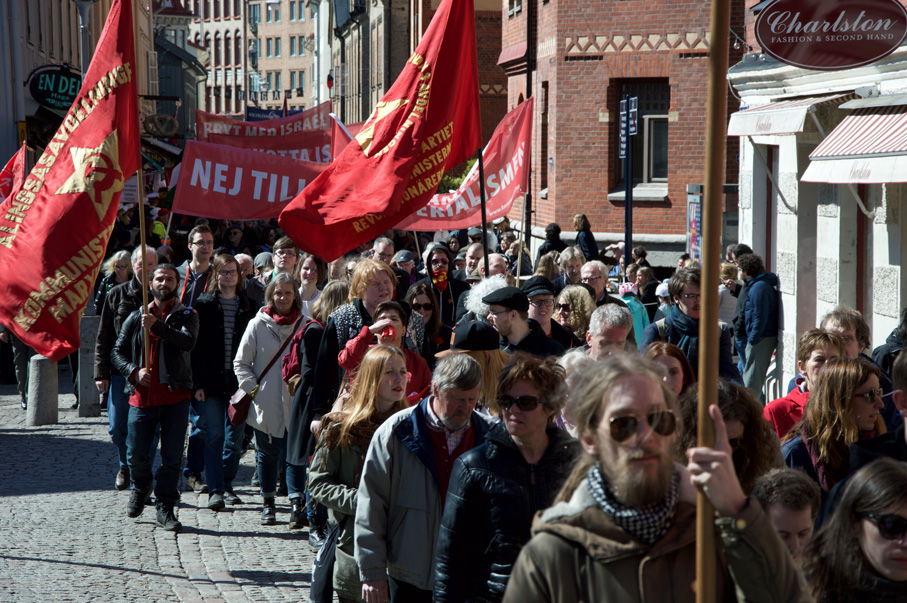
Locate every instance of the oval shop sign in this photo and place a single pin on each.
(54, 87)
(828, 35)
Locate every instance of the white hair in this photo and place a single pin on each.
(482, 288)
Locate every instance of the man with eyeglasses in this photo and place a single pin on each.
(540, 292)
(681, 326)
(594, 273)
(194, 272)
(626, 529)
(508, 313)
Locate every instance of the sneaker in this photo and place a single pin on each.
(231, 498)
(268, 513)
(195, 483)
(317, 536)
(166, 518)
(137, 502)
(298, 518)
(122, 481)
(216, 501)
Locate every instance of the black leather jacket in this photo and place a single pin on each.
(121, 301)
(177, 331)
(494, 494)
(208, 370)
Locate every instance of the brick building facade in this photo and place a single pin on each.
(584, 58)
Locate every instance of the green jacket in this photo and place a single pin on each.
(578, 554)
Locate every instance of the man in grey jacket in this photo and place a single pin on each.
(404, 483)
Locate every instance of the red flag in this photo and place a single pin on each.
(305, 146)
(54, 228)
(427, 123)
(218, 181)
(13, 174)
(506, 179)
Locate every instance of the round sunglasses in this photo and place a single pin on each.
(890, 525)
(662, 422)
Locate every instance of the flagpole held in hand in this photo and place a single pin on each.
(419, 250)
(147, 342)
(484, 217)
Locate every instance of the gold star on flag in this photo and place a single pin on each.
(97, 172)
(382, 110)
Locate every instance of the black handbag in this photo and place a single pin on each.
(323, 566)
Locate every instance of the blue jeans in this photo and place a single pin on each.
(316, 513)
(223, 445)
(295, 477)
(118, 415)
(195, 454)
(740, 344)
(269, 452)
(118, 418)
(143, 422)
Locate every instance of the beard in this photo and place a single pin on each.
(163, 296)
(632, 486)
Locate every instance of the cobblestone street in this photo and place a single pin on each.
(64, 534)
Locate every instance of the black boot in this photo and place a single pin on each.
(268, 512)
(318, 533)
(298, 518)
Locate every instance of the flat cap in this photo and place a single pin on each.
(509, 297)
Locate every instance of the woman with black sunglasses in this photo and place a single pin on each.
(422, 299)
(861, 553)
(496, 489)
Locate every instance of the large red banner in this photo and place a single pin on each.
(427, 123)
(506, 179)
(54, 228)
(218, 181)
(311, 120)
(304, 146)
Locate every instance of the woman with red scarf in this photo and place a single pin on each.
(843, 409)
(269, 415)
(438, 266)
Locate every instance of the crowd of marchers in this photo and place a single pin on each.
(525, 433)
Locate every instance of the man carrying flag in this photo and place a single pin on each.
(427, 123)
(54, 227)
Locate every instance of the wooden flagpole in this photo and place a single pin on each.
(141, 187)
(715, 151)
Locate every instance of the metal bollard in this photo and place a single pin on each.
(89, 398)
(43, 402)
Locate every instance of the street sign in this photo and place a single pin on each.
(633, 116)
(54, 86)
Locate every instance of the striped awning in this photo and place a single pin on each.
(869, 146)
(783, 117)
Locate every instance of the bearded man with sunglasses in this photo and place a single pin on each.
(623, 528)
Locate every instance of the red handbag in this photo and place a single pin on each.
(241, 401)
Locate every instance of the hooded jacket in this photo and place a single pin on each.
(762, 307)
(578, 554)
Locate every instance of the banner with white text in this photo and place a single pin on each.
(311, 120)
(506, 179)
(224, 182)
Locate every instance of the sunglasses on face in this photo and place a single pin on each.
(891, 526)
(563, 307)
(425, 307)
(662, 422)
(870, 395)
(525, 403)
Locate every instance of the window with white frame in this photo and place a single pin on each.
(650, 144)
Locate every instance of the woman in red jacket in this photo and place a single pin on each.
(389, 328)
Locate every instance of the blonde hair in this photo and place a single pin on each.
(364, 273)
(492, 365)
(363, 402)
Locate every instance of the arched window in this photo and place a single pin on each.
(217, 49)
(237, 47)
(228, 49)
(208, 41)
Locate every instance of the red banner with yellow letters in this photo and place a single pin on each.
(427, 123)
(54, 227)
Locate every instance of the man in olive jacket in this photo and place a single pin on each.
(624, 526)
(404, 483)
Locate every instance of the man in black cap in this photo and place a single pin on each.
(540, 292)
(509, 314)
